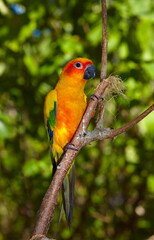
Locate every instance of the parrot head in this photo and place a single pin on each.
(78, 71)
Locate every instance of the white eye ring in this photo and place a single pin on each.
(78, 65)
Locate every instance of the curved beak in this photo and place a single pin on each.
(89, 72)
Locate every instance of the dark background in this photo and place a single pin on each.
(114, 193)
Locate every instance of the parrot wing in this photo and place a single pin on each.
(50, 112)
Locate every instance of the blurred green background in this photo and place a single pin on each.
(114, 194)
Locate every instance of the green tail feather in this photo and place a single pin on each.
(71, 187)
(65, 197)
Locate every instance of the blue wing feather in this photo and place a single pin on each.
(50, 132)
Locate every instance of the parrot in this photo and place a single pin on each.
(63, 110)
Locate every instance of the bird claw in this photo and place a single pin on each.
(93, 96)
(69, 146)
(101, 99)
(84, 133)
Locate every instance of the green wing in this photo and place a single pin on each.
(51, 121)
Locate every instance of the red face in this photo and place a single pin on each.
(80, 68)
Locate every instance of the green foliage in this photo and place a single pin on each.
(114, 179)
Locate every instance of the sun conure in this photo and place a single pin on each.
(63, 110)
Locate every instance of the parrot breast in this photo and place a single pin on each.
(70, 109)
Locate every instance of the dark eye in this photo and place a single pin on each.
(78, 65)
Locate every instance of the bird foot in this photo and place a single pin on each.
(93, 96)
(70, 146)
(84, 133)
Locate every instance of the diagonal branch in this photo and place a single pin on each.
(50, 199)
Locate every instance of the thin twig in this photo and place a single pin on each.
(99, 121)
(116, 132)
(102, 134)
(104, 42)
